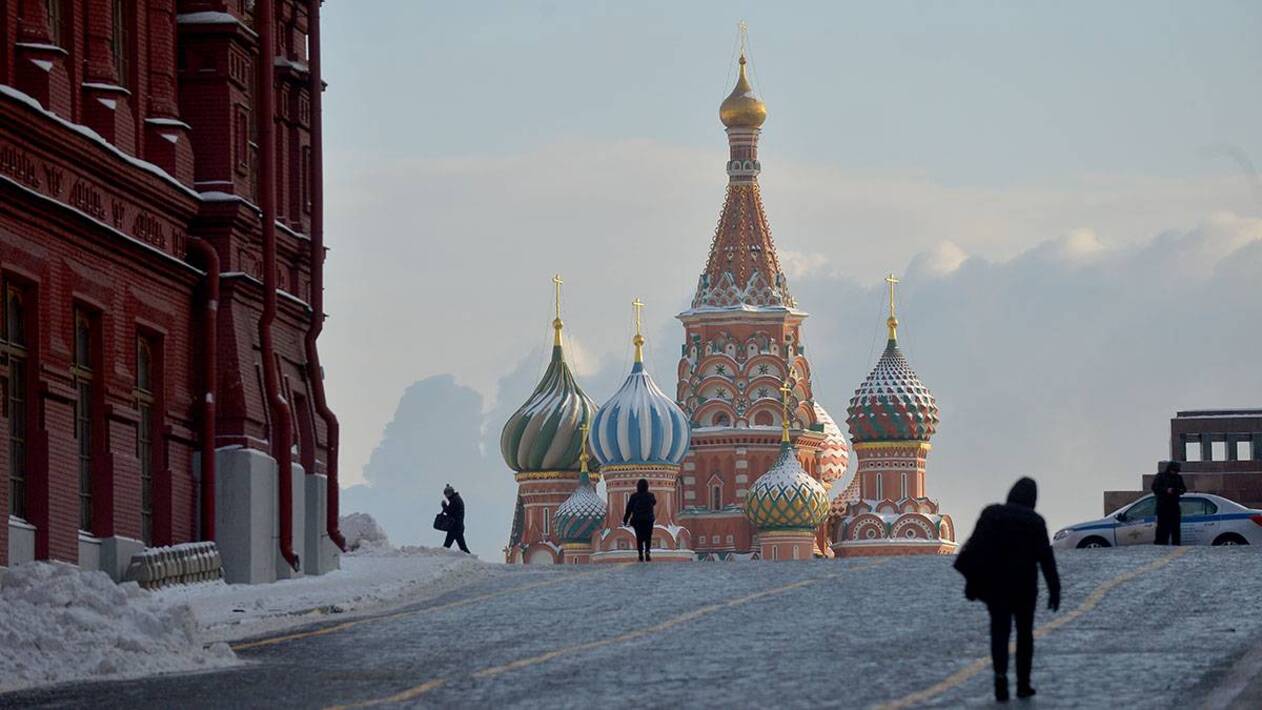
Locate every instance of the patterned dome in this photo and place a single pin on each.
(640, 424)
(834, 454)
(786, 497)
(892, 404)
(582, 514)
(544, 434)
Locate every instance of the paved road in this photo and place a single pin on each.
(1137, 627)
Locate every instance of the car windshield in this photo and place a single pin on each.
(1143, 509)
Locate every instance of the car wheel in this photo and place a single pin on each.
(1095, 541)
(1229, 539)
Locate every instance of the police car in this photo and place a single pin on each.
(1207, 520)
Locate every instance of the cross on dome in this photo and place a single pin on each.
(892, 321)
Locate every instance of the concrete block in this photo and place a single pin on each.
(89, 552)
(116, 554)
(318, 557)
(298, 530)
(21, 541)
(245, 515)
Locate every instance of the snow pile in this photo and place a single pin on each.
(59, 623)
(361, 530)
(373, 578)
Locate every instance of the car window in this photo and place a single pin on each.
(1145, 508)
(1192, 506)
(1197, 506)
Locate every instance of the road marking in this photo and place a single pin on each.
(272, 641)
(959, 677)
(419, 690)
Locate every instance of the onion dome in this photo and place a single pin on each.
(892, 404)
(786, 497)
(834, 452)
(583, 513)
(741, 109)
(640, 425)
(543, 435)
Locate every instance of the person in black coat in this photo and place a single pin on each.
(1000, 564)
(641, 517)
(454, 508)
(1168, 486)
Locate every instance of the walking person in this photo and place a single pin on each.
(640, 515)
(1000, 564)
(1168, 486)
(453, 507)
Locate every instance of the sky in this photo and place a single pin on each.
(1068, 191)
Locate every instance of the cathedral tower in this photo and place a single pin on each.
(541, 443)
(742, 339)
(892, 416)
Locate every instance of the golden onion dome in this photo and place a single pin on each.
(741, 109)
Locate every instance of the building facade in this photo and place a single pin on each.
(161, 253)
(1219, 451)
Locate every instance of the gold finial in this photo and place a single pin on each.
(582, 452)
(556, 321)
(741, 109)
(638, 340)
(892, 321)
(785, 390)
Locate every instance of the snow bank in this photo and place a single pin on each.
(59, 623)
(362, 530)
(373, 577)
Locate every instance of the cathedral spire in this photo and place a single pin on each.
(743, 270)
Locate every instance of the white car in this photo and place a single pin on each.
(1207, 520)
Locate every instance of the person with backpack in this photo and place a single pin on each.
(453, 508)
(640, 514)
(1000, 563)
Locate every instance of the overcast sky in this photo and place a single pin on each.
(1067, 189)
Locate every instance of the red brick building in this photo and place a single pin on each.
(161, 254)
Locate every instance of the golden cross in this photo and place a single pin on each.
(556, 281)
(582, 451)
(638, 305)
(744, 32)
(892, 282)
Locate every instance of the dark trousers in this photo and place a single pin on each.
(643, 539)
(1001, 615)
(1169, 523)
(456, 536)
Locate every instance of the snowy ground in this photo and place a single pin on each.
(1136, 628)
(60, 624)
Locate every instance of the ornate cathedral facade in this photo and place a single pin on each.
(742, 459)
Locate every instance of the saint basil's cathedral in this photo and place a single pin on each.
(743, 459)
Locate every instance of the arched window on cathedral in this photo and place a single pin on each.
(716, 496)
(721, 419)
(880, 487)
(904, 485)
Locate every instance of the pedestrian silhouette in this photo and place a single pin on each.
(640, 515)
(1168, 486)
(454, 508)
(1000, 564)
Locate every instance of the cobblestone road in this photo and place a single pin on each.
(1136, 627)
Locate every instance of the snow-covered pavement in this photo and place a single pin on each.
(1135, 628)
(59, 624)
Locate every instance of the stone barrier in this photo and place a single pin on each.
(187, 563)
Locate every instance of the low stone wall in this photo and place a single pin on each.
(188, 563)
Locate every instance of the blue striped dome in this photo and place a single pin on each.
(639, 425)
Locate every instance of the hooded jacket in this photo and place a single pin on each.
(1001, 560)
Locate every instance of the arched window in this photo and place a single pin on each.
(904, 484)
(716, 496)
(146, 386)
(721, 419)
(547, 522)
(84, 373)
(880, 487)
